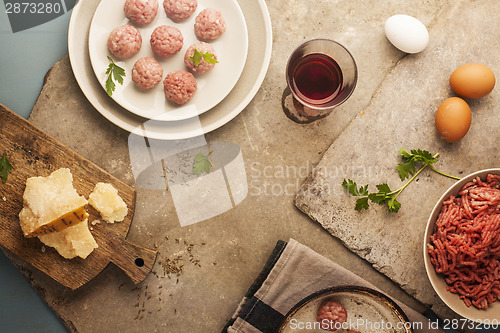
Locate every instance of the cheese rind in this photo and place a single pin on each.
(74, 217)
(46, 200)
(106, 200)
(73, 241)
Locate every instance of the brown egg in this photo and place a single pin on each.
(453, 118)
(472, 81)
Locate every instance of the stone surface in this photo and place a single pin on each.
(401, 115)
(278, 154)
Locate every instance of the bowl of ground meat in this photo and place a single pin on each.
(346, 309)
(462, 247)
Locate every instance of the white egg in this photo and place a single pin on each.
(406, 33)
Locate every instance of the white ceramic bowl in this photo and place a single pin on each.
(490, 315)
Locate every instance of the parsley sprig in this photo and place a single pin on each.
(114, 73)
(406, 169)
(5, 168)
(202, 164)
(197, 56)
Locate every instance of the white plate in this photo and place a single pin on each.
(259, 51)
(231, 49)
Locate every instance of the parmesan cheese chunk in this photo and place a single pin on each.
(48, 202)
(73, 241)
(109, 204)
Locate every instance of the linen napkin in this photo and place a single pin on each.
(293, 272)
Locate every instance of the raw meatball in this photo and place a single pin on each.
(125, 41)
(166, 41)
(209, 24)
(179, 10)
(203, 66)
(141, 12)
(147, 73)
(179, 86)
(331, 315)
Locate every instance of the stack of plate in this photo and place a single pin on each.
(244, 52)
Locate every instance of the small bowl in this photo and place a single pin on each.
(492, 313)
(363, 304)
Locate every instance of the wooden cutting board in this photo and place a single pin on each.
(34, 153)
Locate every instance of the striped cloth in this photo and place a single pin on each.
(293, 272)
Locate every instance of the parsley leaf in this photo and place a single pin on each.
(209, 57)
(383, 188)
(351, 186)
(383, 196)
(405, 169)
(110, 86)
(384, 193)
(393, 205)
(362, 203)
(201, 164)
(197, 56)
(118, 74)
(5, 168)
(114, 73)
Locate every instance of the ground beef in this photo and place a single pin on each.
(203, 66)
(125, 41)
(141, 12)
(166, 41)
(147, 73)
(209, 24)
(179, 10)
(465, 245)
(331, 315)
(179, 86)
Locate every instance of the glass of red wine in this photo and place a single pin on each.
(321, 74)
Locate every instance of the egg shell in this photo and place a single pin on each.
(453, 118)
(406, 33)
(472, 80)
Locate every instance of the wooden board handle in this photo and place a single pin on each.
(136, 261)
